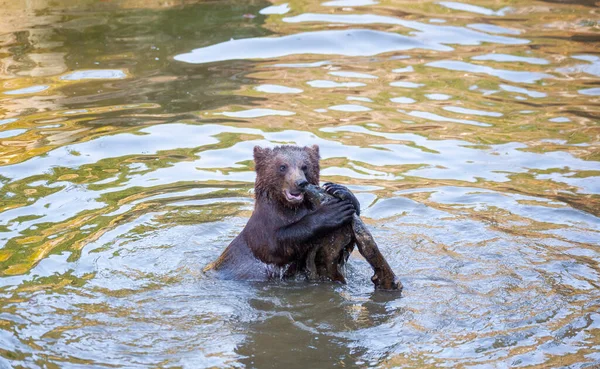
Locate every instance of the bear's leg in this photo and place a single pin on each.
(328, 260)
(311, 267)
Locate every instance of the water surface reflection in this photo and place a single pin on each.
(469, 132)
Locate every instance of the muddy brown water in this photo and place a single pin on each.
(468, 130)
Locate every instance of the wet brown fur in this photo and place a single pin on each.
(268, 246)
(297, 227)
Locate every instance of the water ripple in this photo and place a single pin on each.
(350, 43)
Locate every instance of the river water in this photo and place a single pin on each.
(468, 130)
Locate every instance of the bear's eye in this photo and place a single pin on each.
(304, 168)
(282, 168)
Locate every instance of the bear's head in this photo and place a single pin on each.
(283, 172)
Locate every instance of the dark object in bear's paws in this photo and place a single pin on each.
(343, 193)
(390, 283)
(323, 260)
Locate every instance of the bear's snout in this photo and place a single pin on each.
(301, 183)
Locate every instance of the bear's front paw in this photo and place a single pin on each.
(343, 193)
(333, 214)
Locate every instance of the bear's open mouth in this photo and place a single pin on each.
(293, 197)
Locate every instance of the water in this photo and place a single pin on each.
(468, 130)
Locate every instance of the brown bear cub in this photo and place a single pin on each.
(285, 225)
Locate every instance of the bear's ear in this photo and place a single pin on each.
(313, 152)
(260, 154)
